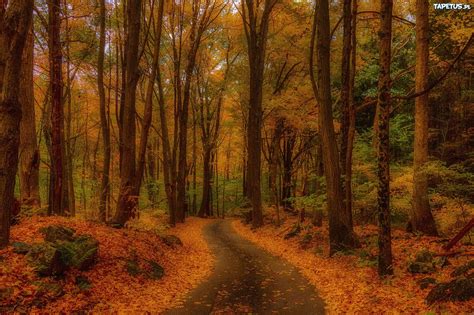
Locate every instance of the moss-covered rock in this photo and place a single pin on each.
(82, 253)
(427, 282)
(423, 263)
(463, 270)
(46, 259)
(133, 267)
(55, 233)
(460, 289)
(172, 240)
(21, 248)
(156, 270)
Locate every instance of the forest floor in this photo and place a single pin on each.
(110, 287)
(249, 280)
(348, 282)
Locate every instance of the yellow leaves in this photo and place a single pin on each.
(113, 289)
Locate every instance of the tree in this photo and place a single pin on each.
(421, 217)
(127, 202)
(104, 122)
(341, 235)
(383, 142)
(255, 20)
(15, 20)
(29, 154)
(57, 204)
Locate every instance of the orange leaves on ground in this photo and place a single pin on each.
(112, 288)
(349, 284)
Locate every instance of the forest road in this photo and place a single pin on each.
(247, 279)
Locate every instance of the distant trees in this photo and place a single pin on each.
(15, 23)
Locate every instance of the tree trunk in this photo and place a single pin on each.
(29, 153)
(341, 235)
(383, 150)
(127, 201)
(421, 217)
(57, 175)
(256, 31)
(104, 123)
(347, 107)
(15, 20)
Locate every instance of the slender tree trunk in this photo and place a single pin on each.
(421, 217)
(104, 123)
(15, 22)
(29, 153)
(256, 21)
(57, 176)
(383, 150)
(127, 201)
(206, 185)
(341, 235)
(346, 103)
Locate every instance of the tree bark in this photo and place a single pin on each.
(127, 201)
(29, 153)
(256, 31)
(341, 235)
(383, 149)
(421, 217)
(57, 205)
(15, 20)
(104, 122)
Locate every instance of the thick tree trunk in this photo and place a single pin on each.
(341, 234)
(57, 205)
(104, 122)
(15, 20)
(421, 217)
(127, 201)
(29, 153)
(385, 266)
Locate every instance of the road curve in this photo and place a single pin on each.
(247, 279)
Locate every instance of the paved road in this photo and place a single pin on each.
(248, 279)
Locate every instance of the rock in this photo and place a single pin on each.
(424, 257)
(426, 282)
(83, 282)
(441, 262)
(293, 232)
(171, 240)
(423, 263)
(55, 233)
(46, 259)
(82, 253)
(133, 268)
(463, 270)
(460, 289)
(21, 248)
(51, 289)
(418, 267)
(157, 272)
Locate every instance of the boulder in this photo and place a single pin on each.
(21, 248)
(132, 267)
(46, 259)
(82, 253)
(55, 233)
(171, 240)
(460, 289)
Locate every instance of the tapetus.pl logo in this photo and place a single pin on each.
(452, 6)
